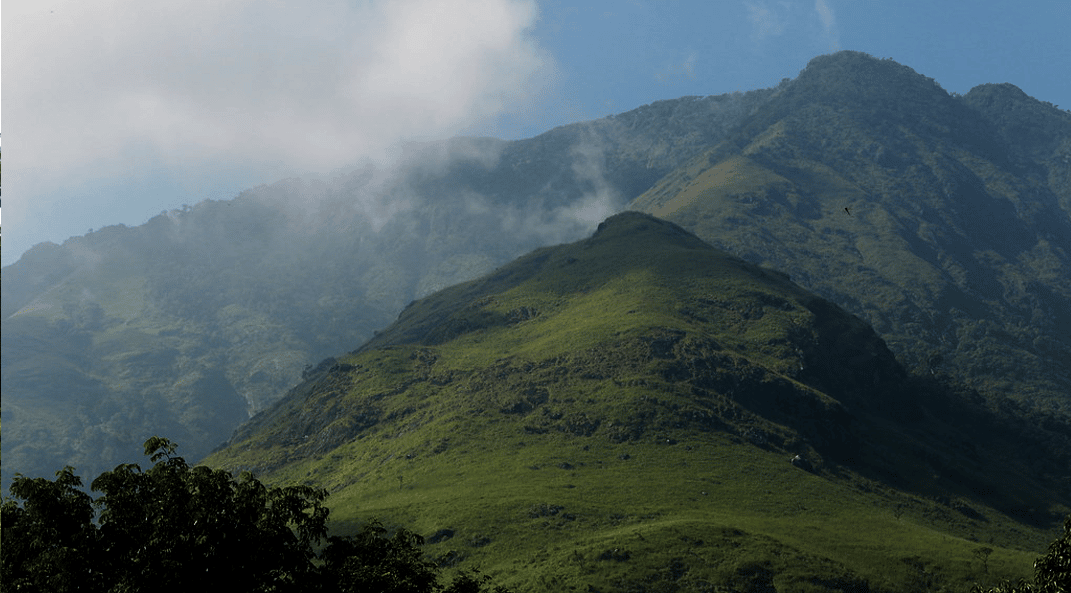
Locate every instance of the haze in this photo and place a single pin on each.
(124, 109)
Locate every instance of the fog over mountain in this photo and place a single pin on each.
(190, 323)
(187, 325)
(122, 109)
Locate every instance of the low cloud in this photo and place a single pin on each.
(767, 19)
(310, 84)
(113, 88)
(557, 221)
(829, 24)
(785, 18)
(679, 72)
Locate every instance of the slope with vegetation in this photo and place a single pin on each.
(944, 221)
(619, 414)
(190, 323)
(953, 248)
(176, 528)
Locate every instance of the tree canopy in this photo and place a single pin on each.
(175, 527)
(1052, 572)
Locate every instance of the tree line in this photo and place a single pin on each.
(175, 527)
(178, 528)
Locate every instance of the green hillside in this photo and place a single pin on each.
(943, 221)
(954, 249)
(199, 318)
(619, 414)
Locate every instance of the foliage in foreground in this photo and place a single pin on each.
(177, 528)
(1052, 572)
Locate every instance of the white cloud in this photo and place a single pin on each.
(309, 82)
(108, 87)
(829, 24)
(795, 21)
(767, 20)
(679, 72)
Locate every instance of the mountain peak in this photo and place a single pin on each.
(1005, 90)
(856, 78)
(865, 69)
(641, 268)
(640, 298)
(625, 243)
(639, 225)
(1034, 127)
(878, 92)
(531, 395)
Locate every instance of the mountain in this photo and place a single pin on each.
(943, 221)
(953, 247)
(619, 414)
(187, 325)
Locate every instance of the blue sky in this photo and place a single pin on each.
(118, 110)
(618, 55)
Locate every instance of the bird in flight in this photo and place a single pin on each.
(846, 209)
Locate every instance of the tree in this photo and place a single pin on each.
(983, 553)
(373, 561)
(180, 528)
(1052, 572)
(473, 582)
(171, 528)
(185, 526)
(48, 541)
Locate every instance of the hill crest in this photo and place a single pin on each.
(933, 217)
(569, 387)
(648, 284)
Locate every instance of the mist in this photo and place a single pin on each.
(269, 202)
(118, 110)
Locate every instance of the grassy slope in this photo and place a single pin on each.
(714, 506)
(921, 257)
(82, 362)
(721, 199)
(166, 327)
(538, 423)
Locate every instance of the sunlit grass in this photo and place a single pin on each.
(536, 426)
(548, 506)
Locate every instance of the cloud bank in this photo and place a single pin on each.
(111, 88)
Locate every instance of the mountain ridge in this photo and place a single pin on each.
(496, 410)
(233, 299)
(240, 295)
(924, 222)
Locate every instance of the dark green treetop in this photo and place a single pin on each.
(175, 527)
(1052, 572)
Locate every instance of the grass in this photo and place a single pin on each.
(545, 423)
(918, 256)
(547, 511)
